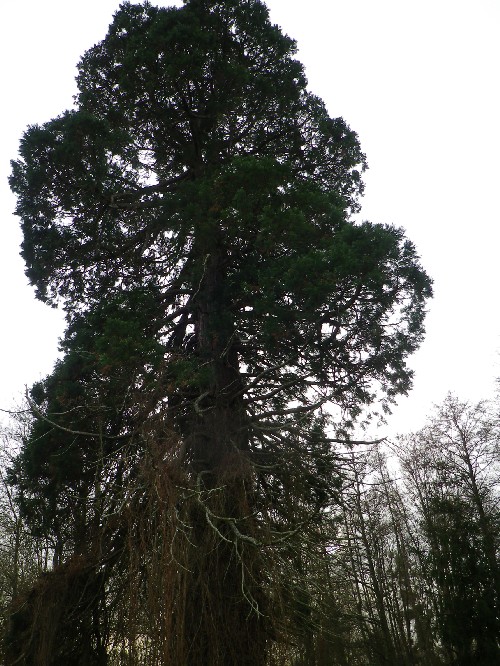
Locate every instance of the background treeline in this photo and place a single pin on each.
(413, 575)
(412, 572)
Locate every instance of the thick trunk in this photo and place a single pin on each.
(223, 623)
(221, 626)
(218, 428)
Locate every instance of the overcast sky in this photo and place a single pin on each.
(418, 81)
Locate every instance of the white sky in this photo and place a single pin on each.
(418, 81)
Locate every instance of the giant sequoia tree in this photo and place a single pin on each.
(192, 215)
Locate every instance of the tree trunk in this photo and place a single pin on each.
(223, 623)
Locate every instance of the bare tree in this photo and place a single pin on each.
(452, 474)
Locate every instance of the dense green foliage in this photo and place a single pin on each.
(192, 215)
